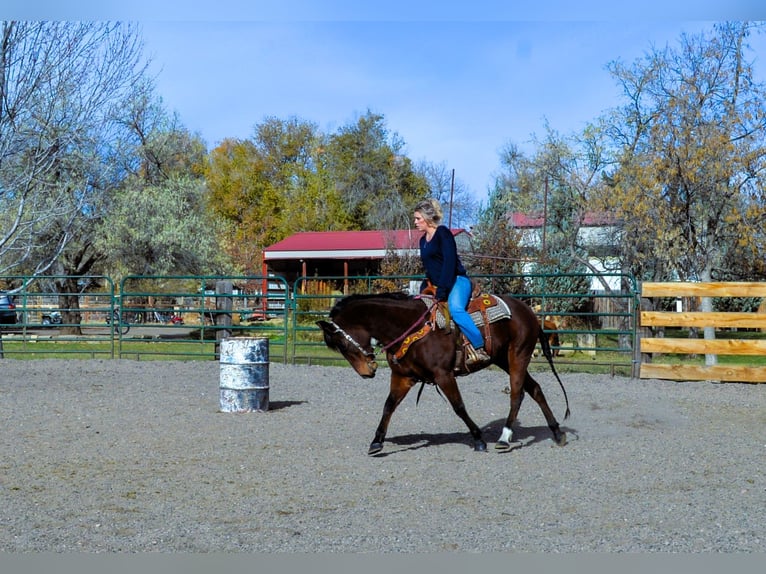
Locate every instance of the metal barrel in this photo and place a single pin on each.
(244, 377)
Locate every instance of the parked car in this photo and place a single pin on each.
(7, 309)
(51, 318)
(252, 315)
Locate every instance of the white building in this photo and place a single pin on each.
(596, 234)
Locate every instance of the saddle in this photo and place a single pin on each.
(483, 308)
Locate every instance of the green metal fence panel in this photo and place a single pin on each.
(313, 297)
(594, 326)
(597, 323)
(186, 316)
(59, 316)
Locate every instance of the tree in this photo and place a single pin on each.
(570, 169)
(294, 168)
(159, 147)
(61, 84)
(496, 250)
(375, 179)
(517, 186)
(272, 185)
(162, 229)
(290, 177)
(234, 197)
(156, 219)
(557, 184)
(692, 151)
(459, 207)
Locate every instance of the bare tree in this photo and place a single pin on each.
(458, 204)
(62, 85)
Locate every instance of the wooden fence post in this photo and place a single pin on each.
(644, 304)
(223, 307)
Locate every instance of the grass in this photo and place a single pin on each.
(751, 334)
(746, 360)
(141, 350)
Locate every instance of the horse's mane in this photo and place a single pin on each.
(346, 301)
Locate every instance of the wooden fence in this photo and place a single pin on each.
(717, 320)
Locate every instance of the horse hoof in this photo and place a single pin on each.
(375, 448)
(562, 439)
(480, 446)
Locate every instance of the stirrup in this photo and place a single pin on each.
(475, 356)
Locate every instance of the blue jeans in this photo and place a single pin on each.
(458, 300)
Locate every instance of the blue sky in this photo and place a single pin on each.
(456, 81)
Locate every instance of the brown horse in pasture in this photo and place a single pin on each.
(420, 351)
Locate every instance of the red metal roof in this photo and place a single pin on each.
(314, 241)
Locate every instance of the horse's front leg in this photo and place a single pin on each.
(448, 385)
(400, 386)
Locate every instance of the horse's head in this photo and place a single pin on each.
(354, 345)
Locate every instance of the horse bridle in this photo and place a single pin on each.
(338, 329)
(372, 354)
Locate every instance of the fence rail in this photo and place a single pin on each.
(661, 345)
(600, 328)
(590, 326)
(145, 317)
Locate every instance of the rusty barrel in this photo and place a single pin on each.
(244, 375)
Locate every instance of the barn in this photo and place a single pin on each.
(342, 253)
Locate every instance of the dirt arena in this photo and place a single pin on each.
(126, 456)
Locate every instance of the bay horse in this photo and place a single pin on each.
(359, 323)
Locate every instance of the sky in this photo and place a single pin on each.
(456, 81)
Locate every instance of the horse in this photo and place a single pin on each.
(390, 321)
(551, 329)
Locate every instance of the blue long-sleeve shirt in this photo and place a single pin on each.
(441, 262)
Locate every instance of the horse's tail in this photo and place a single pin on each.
(545, 345)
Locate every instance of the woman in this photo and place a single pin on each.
(438, 252)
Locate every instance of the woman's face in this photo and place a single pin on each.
(420, 223)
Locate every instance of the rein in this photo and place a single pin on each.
(411, 329)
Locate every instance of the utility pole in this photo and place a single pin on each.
(451, 195)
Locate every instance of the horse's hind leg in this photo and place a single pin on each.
(517, 396)
(532, 387)
(400, 386)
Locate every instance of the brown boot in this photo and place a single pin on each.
(475, 357)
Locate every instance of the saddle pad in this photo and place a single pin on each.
(495, 312)
(495, 308)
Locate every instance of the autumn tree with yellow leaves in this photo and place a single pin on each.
(691, 149)
(690, 141)
(292, 177)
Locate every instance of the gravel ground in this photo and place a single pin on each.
(126, 456)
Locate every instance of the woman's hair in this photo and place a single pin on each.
(430, 210)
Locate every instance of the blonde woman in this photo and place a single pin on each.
(438, 253)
